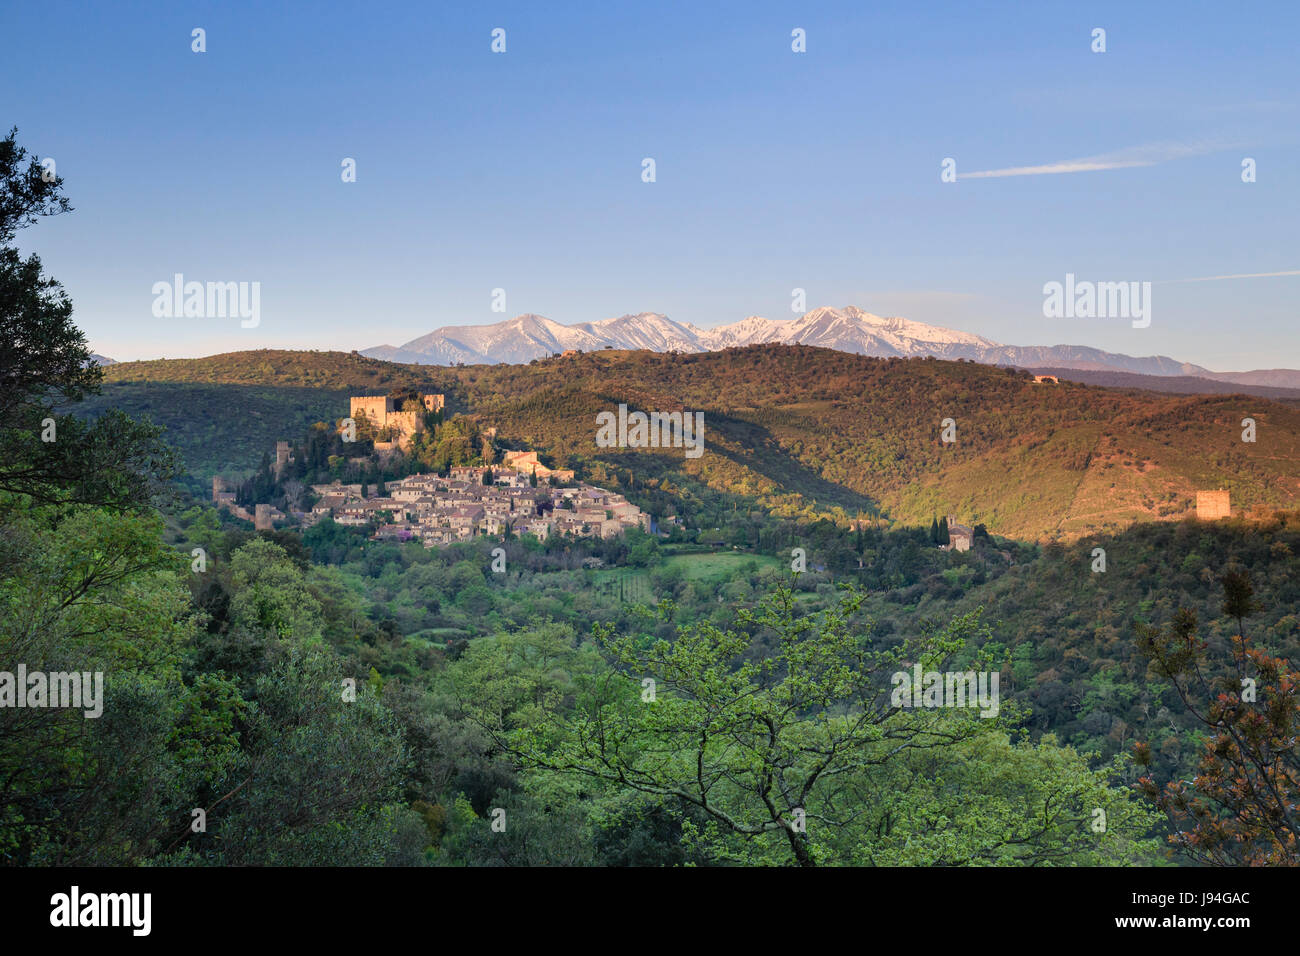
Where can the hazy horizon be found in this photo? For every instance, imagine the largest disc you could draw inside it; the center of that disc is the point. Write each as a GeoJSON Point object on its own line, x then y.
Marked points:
{"type": "Point", "coordinates": [399, 344]}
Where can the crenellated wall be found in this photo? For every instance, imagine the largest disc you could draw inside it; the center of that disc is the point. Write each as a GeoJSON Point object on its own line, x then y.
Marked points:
{"type": "Point", "coordinates": [380, 411]}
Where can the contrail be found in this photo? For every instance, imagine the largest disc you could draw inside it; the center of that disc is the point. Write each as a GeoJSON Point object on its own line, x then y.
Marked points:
{"type": "Point", "coordinates": [1051, 169]}
{"type": "Point", "coordinates": [1120, 159]}
{"type": "Point", "coordinates": [1240, 275]}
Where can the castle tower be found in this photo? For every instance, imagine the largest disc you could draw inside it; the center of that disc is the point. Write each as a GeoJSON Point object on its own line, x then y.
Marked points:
{"type": "Point", "coordinates": [373, 407]}
{"type": "Point", "coordinates": [382, 413]}
{"type": "Point", "coordinates": [1213, 505]}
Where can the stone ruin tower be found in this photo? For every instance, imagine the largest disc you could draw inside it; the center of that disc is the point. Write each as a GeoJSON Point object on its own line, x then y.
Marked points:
{"type": "Point", "coordinates": [1213, 505]}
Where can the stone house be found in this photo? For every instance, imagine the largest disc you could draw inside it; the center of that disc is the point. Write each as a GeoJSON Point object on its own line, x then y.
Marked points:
{"type": "Point", "coordinates": [960, 536]}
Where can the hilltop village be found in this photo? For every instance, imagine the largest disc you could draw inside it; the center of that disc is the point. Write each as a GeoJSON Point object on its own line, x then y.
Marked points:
{"type": "Point", "coordinates": [520, 496]}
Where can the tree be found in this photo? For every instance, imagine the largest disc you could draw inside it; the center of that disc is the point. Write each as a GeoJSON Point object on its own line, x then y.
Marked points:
{"type": "Point", "coordinates": [989, 801]}
{"type": "Point", "coordinates": [1241, 806]}
{"type": "Point", "coordinates": [316, 781]}
{"type": "Point", "coordinates": [270, 593]}
{"type": "Point", "coordinates": [760, 746]}
{"type": "Point", "coordinates": [28, 192]}
{"type": "Point", "coordinates": [45, 453]}
{"type": "Point", "coordinates": [98, 592]}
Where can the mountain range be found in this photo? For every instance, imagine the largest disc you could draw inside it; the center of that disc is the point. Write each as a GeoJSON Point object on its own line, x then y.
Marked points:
{"type": "Point", "coordinates": [848, 329]}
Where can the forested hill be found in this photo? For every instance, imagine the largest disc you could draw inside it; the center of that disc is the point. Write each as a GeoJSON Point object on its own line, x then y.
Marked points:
{"type": "Point", "coordinates": [328, 370]}
{"type": "Point", "coordinates": [797, 428]}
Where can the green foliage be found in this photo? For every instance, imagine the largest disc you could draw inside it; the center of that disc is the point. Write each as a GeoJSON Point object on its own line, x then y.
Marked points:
{"type": "Point", "coordinates": [90, 591]}
{"type": "Point", "coordinates": [795, 756]}
{"type": "Point", "coordinates": [219, 429]}
{"type": "Point", "coordinates": [457, 441]}
{"type": "Point", "coordinates": [46, 455]}
{"type": "Point", "coordinates": [991, 802]}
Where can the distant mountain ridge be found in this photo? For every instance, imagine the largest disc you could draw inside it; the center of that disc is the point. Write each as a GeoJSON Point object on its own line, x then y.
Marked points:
{"type": "Point", "coordinates": [848, 329]}
{"type": "Point", "coordinates": [1171, 384]}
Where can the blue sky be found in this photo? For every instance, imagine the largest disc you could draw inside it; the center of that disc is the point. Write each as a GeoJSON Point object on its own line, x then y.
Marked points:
{"type": "Point", "coordinates": [775, 170]}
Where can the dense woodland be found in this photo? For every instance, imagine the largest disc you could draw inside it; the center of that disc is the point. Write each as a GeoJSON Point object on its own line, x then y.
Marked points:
{"type": "Point", "coordinates": [320, 698]}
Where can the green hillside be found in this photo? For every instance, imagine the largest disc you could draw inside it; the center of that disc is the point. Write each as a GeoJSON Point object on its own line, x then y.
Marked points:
{"type": "Point", "coordinates": [222, 428]}
{"type": "Point", "coordinates": [331, 370]}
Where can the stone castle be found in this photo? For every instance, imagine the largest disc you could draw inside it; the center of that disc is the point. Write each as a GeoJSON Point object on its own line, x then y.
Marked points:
{"type": "Point", "coordinates": [382, 413]}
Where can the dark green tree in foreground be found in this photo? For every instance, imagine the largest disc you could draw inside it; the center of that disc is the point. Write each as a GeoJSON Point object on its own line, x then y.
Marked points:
{"type": "Point", "coordinates": [45, 453]}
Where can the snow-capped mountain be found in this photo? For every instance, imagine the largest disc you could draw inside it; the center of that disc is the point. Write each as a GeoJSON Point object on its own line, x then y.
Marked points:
{"type": "Point", "coordinates": [753, 330]}
{"type": "Point", "coordinates": [529, 336]}
{"type": "Point", "coordinates": [520, 339]}
{"type": "Point", "coordinates": [646, 330]}
{"type": "Point", "coordinates": [848, 329]}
